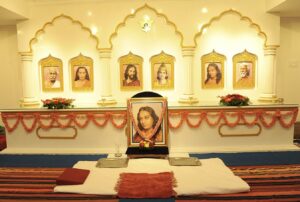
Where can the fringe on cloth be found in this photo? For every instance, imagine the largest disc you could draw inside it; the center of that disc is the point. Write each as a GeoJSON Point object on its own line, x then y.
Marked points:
{"type": "Point", "coordinates": [145, 185]}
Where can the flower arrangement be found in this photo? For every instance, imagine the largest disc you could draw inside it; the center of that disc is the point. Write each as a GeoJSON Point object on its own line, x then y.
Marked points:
{"type": "Point", "coordinates": [58, 103]}
{"type": "Point", "coordinates": [234, 100]}
{"type": "Point", "coordinates": [146, 144]}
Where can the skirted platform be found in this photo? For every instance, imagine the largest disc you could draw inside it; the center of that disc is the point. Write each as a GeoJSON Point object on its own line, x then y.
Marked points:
{"type": "Point", "coordinates": [2, 142]}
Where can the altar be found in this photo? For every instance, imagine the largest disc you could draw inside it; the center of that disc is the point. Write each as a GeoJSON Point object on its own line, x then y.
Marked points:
{"type": "Point", "coordinates": [191, 129]}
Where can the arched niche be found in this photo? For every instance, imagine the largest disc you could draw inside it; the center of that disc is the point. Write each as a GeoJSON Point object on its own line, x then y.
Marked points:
{"type": "Point", "coordinates": [130, 37]}
{"type": "Point", "coordinates": [65, 38]}
{"type": "Point", "coordinates": [228, 33]}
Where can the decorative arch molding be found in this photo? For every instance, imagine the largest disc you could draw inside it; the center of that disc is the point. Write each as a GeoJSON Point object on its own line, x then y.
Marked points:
{"type": "Point", "coordinates": [123, 24]}
{"type": "Point", "coordinates": [62, 16]}
{"type": "Point", "coordinates": [242, 18]}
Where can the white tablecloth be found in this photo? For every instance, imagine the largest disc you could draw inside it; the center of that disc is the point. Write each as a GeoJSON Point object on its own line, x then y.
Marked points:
{"type": "Point", "coordinates": [212, 177]}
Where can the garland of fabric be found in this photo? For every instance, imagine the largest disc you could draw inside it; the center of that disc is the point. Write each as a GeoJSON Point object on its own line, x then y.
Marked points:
{"type": "Point", "coordinates": [30, 121]}
{"type": "Point", "coordinates": [266, 117]}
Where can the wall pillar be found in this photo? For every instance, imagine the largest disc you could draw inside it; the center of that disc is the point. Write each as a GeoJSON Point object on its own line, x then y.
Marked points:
{"type": "Point", "coordinates": [106, 95]}
{"type": "Point", "coordinates": [268, 76]}
{"type": "Point", "coordinates": [29, 98]}
{"type": "Point", "coordinates": [188, 95]}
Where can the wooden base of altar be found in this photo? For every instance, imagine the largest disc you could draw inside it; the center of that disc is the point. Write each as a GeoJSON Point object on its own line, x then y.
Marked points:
{"type": "Point", "coordinates": [156, 152]}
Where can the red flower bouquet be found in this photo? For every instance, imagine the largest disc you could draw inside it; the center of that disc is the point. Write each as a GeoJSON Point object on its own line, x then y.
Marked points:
{"type": "Point", "coordinates": [234, 100]}
{"type": "Point", "coordinates": [58, 103]}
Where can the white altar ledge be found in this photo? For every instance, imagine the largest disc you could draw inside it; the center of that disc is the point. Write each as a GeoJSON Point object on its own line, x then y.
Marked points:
{"type": "Point", "coordinates": [191, 129]}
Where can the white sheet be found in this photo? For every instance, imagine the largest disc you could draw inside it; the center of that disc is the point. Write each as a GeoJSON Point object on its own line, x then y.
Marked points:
{"type": "Point", "coordinates": [212, 177]}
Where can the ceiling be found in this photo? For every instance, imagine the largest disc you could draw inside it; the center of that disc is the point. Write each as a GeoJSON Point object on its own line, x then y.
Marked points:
{"type": "Point", "coordinates": [283, 8]}
{"type": "Point", "coordinates": [287, 8]}
{"type": "Point", "coordinates": [8, 17]}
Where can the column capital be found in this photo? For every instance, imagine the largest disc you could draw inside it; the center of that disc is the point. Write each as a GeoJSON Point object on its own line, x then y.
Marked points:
{"type": "Point", "coordinates": [26, 56]}
{"type": "Point", "coordinates": [105, 53]}
{"type": "Point", "coordinates": [188, 51]}
{"type": "Point", "coordinates": [270, 49]}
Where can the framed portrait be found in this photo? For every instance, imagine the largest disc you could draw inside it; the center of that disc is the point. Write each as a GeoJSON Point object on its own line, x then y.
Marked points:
{"type": "Point", "coordinates": [51, 74]}
{"type": "Point", "coordinates": [212, 66]}
{"type": "Point", "coordinates": [131, 72]}
{"type": "Point", "coordinates": [82, 73]}
{"type": "Point", "coordinates": [147, 120]}
{"type": "Point", "coordinates": [162, 69]}
{"type": "Point", "coordinates": [244, 68]}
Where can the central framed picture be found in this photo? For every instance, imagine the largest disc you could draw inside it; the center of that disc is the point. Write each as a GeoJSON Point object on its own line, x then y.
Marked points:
{"type": "Point", "coordinates": [147, 121]}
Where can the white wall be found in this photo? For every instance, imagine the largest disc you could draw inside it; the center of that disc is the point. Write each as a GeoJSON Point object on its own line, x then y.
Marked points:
{"type": "Point", "coordinates": [10, 77]}
{"type": "Point", "coordinates": [128, 37]}
{"type": "Point", "coordinates": [70, 44]}
{"type": "Point", "coordinates": [106, 17]}
{"type": "Point", "coordinates": [288, 62]}
{"type": "Point", "coordinates": [237, 37]}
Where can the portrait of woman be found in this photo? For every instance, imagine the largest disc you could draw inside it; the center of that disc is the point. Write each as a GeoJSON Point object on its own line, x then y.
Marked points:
{"type": "Point", "coordinates": [212, 70]}
{"type": "Point", "coordinates": [162, 76]}
{"type": "Point", "coordinates": [82, 74]}
{"type": "Point", "coordinates": [213, 74]}
{"type": "Point", "coordinates": [147, 120]}
{"type": "Point", "coordinates": [82, 77]}
{"type": "Point", "coordinates": [162, 71]}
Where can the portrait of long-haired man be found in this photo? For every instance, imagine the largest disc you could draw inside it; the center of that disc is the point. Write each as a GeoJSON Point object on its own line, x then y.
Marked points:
{"type": "Point", "coordinates": [131, 76]}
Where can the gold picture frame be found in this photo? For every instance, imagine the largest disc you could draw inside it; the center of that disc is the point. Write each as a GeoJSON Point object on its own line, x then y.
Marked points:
{"type": "Point", "coordinates": [131, 72]}
{"type": "Point", "coordinates": [52, 74]}
{"type": "Point", "coordinates": [147, 120]}
{"type": "Point", "coordinates": [162, 71]}
{"type": "Point", "coordinates": [82, 73]}
{"type": "Point", "coordinates": [244, 70]}
{"type": "Point", "coordinates": [212, 70]}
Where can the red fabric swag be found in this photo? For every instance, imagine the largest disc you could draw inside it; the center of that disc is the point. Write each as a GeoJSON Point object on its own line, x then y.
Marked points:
{"type": "Point", "coordinates": [144, 185]}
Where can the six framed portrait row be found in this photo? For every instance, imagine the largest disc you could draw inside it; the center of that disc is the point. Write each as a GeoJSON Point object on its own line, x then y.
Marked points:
{"type": "Point", "coordinates": [162, 71]}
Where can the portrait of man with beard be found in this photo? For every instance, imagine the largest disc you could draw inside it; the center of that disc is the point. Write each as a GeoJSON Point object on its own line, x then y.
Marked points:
{"type": "Point", "coordinates": [130, 76]}
{"type": "Point", "coordinates": [244, 76]}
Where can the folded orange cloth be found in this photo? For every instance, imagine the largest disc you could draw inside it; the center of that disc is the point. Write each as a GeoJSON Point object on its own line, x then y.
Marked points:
{"type": "Point", "coordinates": [144, 185]}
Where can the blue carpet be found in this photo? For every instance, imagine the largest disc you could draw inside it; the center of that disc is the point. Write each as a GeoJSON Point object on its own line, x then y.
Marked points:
{"type": "Point", "coordinates": [148, 200]}
{"type": "Point", "coordinates": [48, 161]}
{"type": "Point", "coordinates": [254, 158]}
{"type": "Point", "coordinates": [230, 159]}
